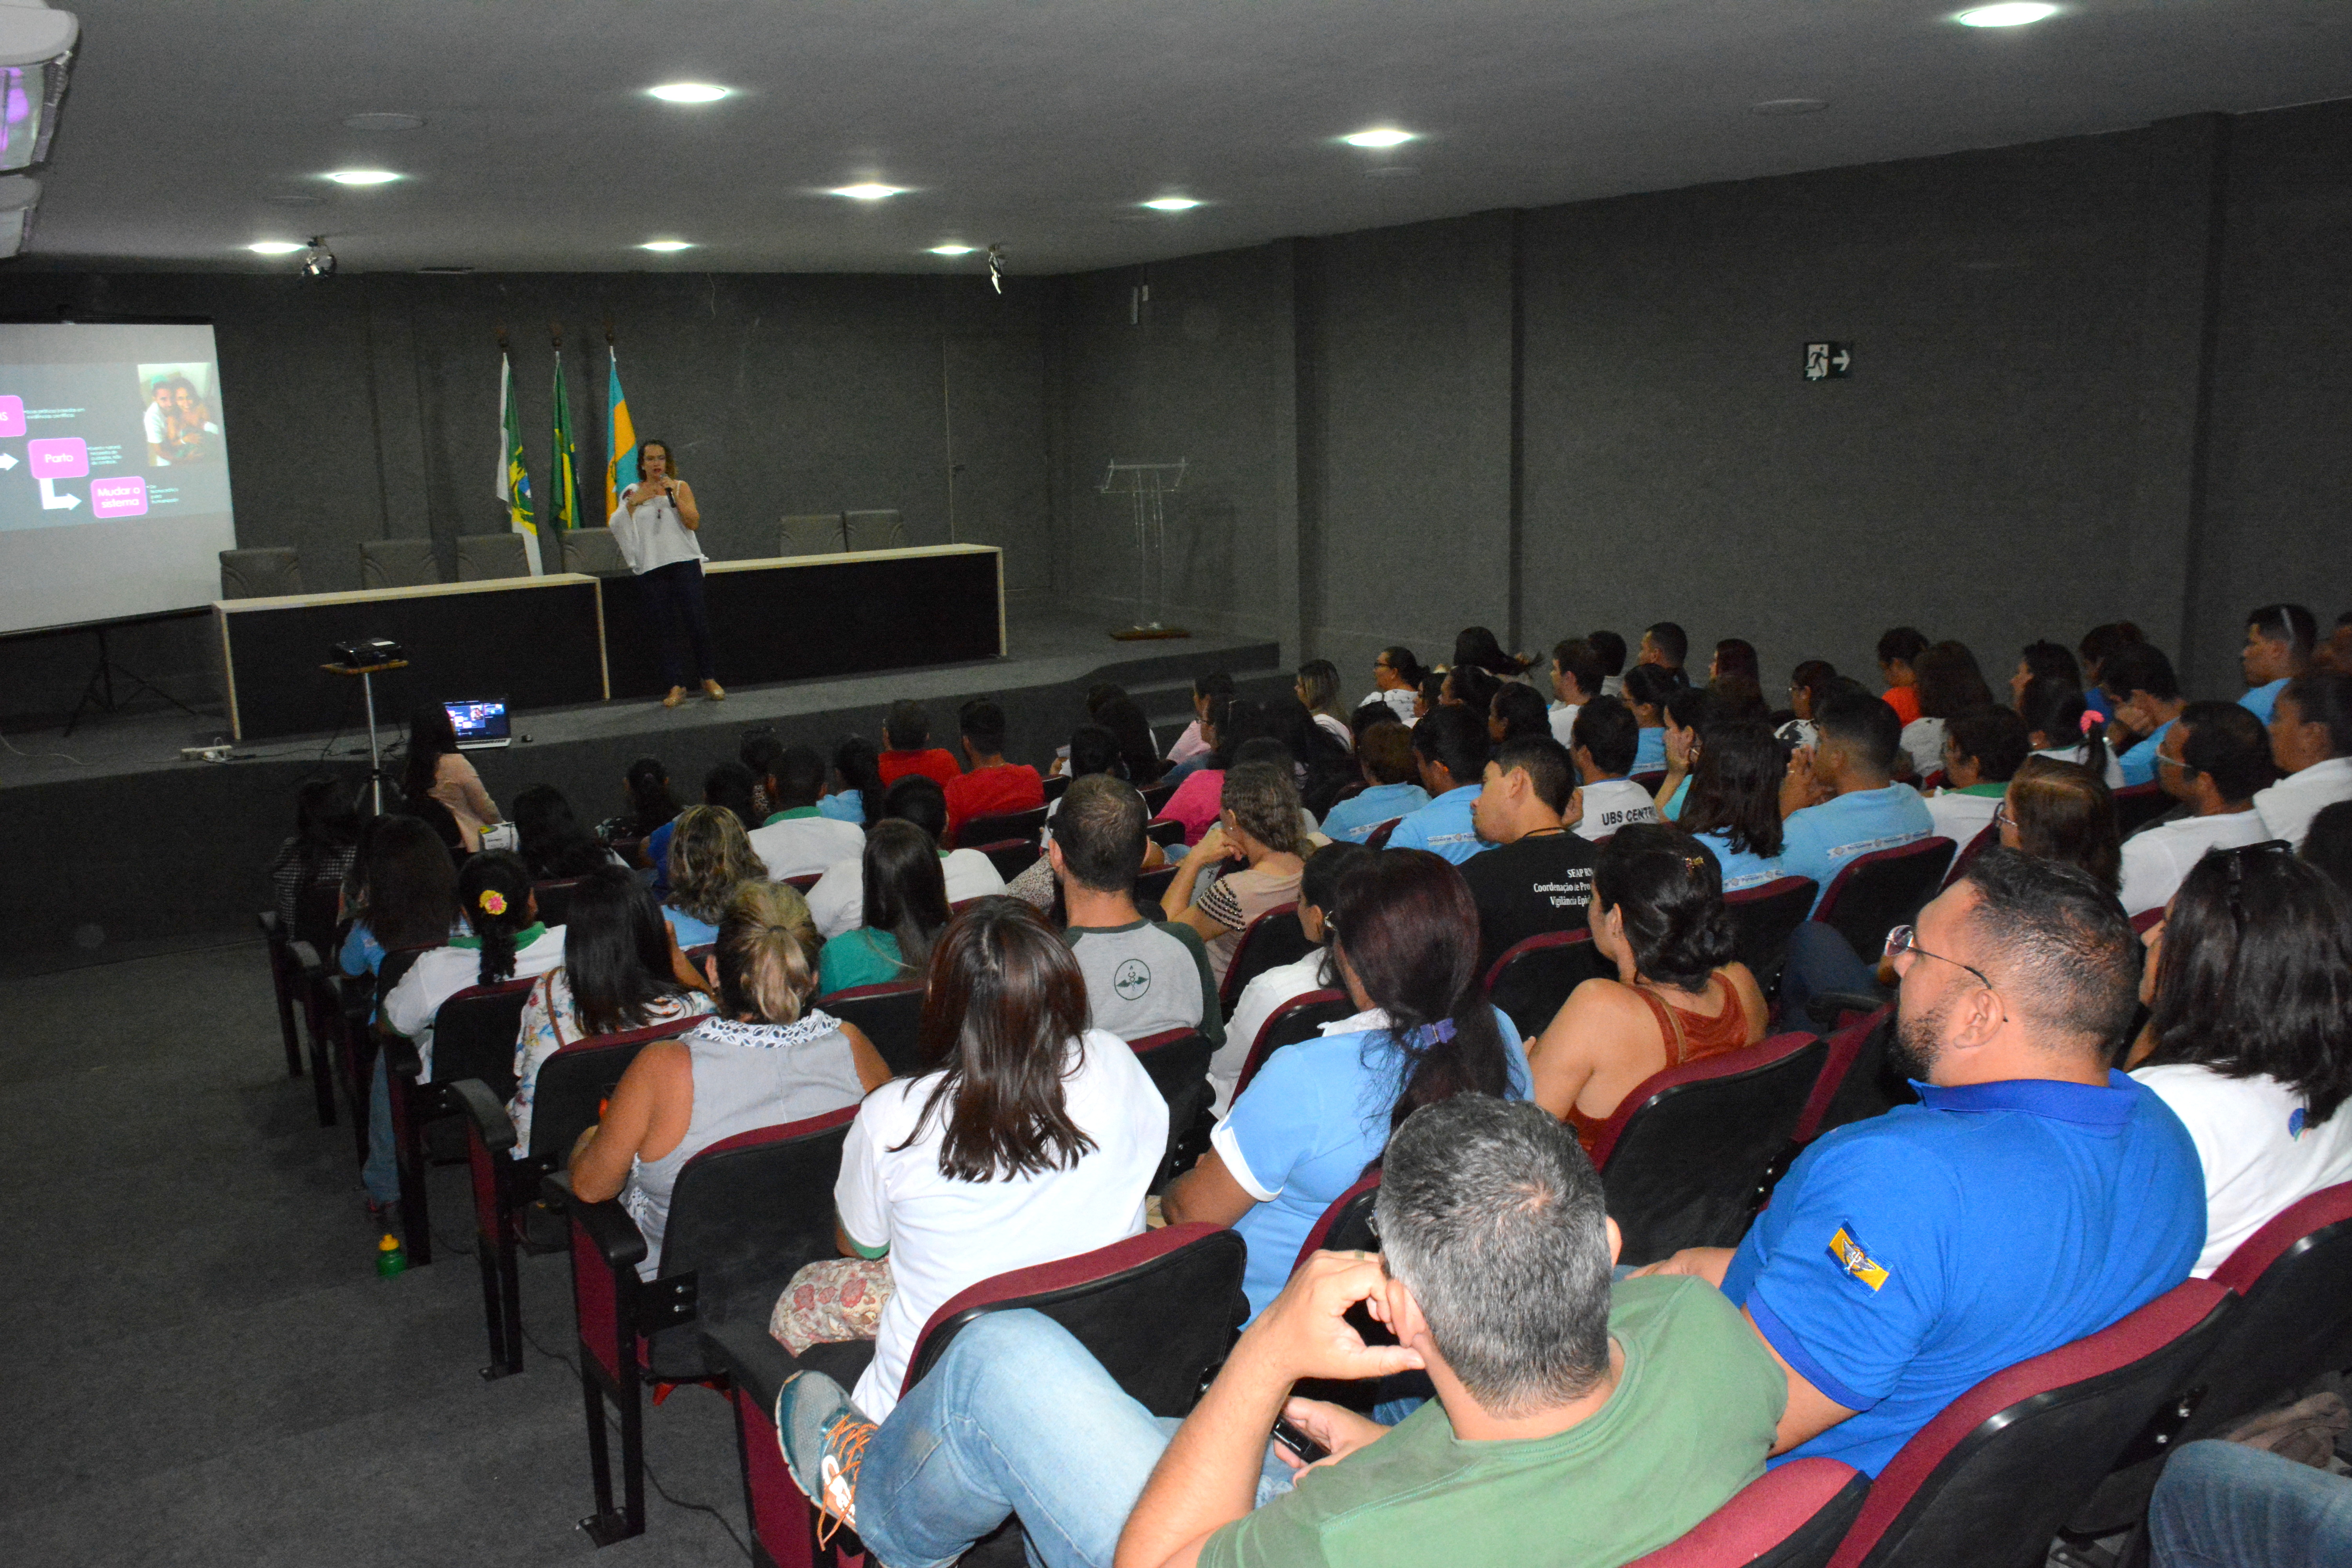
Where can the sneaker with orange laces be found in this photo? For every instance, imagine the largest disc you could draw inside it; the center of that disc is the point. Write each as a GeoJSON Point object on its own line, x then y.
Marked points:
{"type": "Point", "coordinates": [824, 1440]}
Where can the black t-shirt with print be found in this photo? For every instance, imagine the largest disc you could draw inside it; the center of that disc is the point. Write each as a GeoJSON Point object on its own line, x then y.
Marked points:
{"type": "Point", "coordinates": [1540, 883]}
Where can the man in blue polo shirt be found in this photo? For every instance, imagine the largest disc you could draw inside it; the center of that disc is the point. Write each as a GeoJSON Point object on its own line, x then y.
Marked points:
{"type": "Point", "coordinates": [1452, 746]}
{"type": "Point", "coordinates": [1852, 760]}
{"type": "Point", "coordinates": [2279, 643]}
{"type": "Point", "coordinates": [2145, 695]}
{"type": "Point", "coordinates": [2033, 1196]}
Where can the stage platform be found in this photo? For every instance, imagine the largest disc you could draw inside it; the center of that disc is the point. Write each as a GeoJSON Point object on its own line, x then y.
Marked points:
{"type": "Point", "coordinates": [117, 846]}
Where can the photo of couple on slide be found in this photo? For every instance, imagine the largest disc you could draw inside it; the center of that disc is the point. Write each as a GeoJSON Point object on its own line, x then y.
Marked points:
{"type": "Point", "coordinates": [180, 425]}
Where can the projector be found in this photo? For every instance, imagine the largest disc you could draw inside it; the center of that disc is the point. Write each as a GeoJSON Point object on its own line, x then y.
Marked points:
{"type": "Point", "coordinates": [368, 650]}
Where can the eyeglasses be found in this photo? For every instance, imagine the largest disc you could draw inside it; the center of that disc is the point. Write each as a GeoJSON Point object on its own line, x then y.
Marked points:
{"type": "Point", "coordinates": [2000, 819]}
{"type": "Point", "coordinates": [1905, 939]}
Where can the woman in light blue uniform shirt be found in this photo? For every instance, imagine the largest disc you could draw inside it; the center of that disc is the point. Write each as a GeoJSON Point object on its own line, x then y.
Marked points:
{"type": "Point", "coordinates": [1734, 802]}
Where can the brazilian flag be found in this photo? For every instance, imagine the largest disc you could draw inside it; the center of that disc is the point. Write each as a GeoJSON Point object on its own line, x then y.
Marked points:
{"type": "Point", "coordinates": [563, 502]}
{"type": "Point", "coordinates": [513, 479]}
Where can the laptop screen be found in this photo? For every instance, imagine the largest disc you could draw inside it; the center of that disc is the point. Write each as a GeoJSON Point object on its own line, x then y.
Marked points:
{"type": "Point", "coordinates": [478, 721]}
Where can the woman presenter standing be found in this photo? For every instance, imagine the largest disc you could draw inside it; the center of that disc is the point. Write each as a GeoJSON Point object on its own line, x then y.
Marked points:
{"type": "Point", "coordinates": [657, 526]}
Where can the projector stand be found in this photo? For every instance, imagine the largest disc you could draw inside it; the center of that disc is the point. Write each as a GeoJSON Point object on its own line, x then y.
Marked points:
{"type": "Point", "coordinates": [367, 674]}
{"type": "Point", "coordinates": [100, 688]}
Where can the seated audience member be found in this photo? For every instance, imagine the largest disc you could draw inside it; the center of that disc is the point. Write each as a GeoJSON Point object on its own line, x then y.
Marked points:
{"type": "Point", "coordinates": [1606, 800]}
{"type": "Point", "coordinates": [2334, 656]}
{"type": "Point", "coordinates": [1680, 996]}
{"type": "Point", "coordinates": [2060, 724]}
{"type": "Point", "coordinates": [1667, 647]}
{"type": "Point", "coordinates": [1230, 726]}
{"type": "Point", "coordinates": [709, 857]}
{"type": "Point", "coordinates": [1430, 698]}
{"type": "Point", "coordinates": [647, 803]}
{"type": "Point", "coordinates": [553, 845]}
{"type": "Point", "coordinates": [1451, 749]}
{"type": "Point", "coordinates": [1733, 804]}
{"type": "Point", "coordinates": [1258, 823]}
{"type": "Point", "coordinates": [622, 970]}
{"type": "Point", "coordinates": [1808, 684]}
{"type": "Point", "coordinates": [798, 839]}
{"type": "Point", "coordinates": [2214, 762]}
{"type": "Point", "coordinates": [1206, 690]}
{"type": "Point", "coordinates": [1611, 650]}
{"type": "Point", "coordinates": [1094, 749]}
{"type": "Point", "coordinates": [1947, 684]}
{"type": "Point", "coordinates": [1647, 687]}
{"type": "Point", "coordinates": [766, 1059]}
{"type": "Point", "coordinates": [1318, 887]}
{"type": "Point", "coordinates": [905, 909]}
{"type": "Point", "coordinates": [2057, 811]}
{"type": "Point", "coordinates": [1391, 785]}
{"type": "Point", "coordinates": [1538, 875]}
{"type": "Point", "coordinates": [1317, 688]}
{"type": "Point", "coordinates": [1840, 797]}
{"type": "Point", "coordinates": [989, 787]}
{"type": "Point", "coordinates": [1982, 752]}
{"type": "Point", "coordinates": [2280, 640]}
{"type": "Point", "coordinates": [504, 941]}
{"type": "Point", "coordinates": [1574, 1423]}
{"type": "Point", "coordinates": [1470, 686]}
{"type": "Point", "coordinates": [320, 850]}
{"type": "Point", "coordinates": [728, 787]}
{"type": "Point", "coordinates": [1739, 696]}
{"type": "Point", "coordinates": [2249, 1038]}
{"type": "Point", "coordinates": [907, 749]}
{"type": "Point", "coordinates": [1734, 656]}
{"type": "Point", "coordinates": [1479, 648]}
{"type": "Point", "coordinates": [1687, 711]}
{"type": "Point", "coordinates": [1575, 681]}
{"type": "Point", "coordinates": [1397, 676]}
{"type": "Point", "coordinates": [1029, 1137]}
{"type": "Point", "coordinates": [839, 899]}
{"type": "Point", "coordinates": [1406, 942]}
{"type": "Point", "coordinates": [2044, 661]}
{"type": "Point", "coordinates": [2098, 645]}
{"type": "Point", "coordinates": [1898, 651]}
{"type": "Point", "coordinates": [2221, 1502]}
{"type": "Point", "coordinates": [405, 898]}
{"type": "Point", "coordinates": [1321, 766]}
{"type": "Point", "coordinates": [2328, 845]}
{"type": "Point", "coordinates": [758, 752]}
{"type": "Point", "coordinates": [2145, 700]}
{"type": "Point", "coordinates": [1518, 711]}
{"type": "Point", "coordinates": [1141, 977]}
{"type": "Point", "coordinates": [2311, 741]}
{"type": "Point", "coordinates": [437, 770]}
{"type": "Point", "coordinates": [1139, 748]}
{"type": "Point", "coordinates": [2031, 1198]}
{"type": "Point", "coordinates": [855, 783]}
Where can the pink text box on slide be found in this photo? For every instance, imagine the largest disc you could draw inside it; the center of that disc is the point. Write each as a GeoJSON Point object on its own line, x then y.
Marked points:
{"type": "Point", "coordinates": [12, 417]}
{"type": "Point", "coordinates": [118, 497]}
{"type": "Point", "coordinates": [58, 456]}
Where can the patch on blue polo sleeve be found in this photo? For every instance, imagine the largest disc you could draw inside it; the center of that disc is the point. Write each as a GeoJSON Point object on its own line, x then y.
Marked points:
{"type": "Point", "coordinates": [1854, 1260]}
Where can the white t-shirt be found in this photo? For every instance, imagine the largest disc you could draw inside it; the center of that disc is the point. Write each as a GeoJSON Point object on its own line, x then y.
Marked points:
{"type": "Point", "coordinates": [2080, 756]}
{"type": "Point", "coordinates": [838, 902]}
{"type": "Point", "coordinates": [2288, 806]}
{"type": "Point", "coordinates": [1337, 728]}
{"type": "Point", "coordinates": [650, 534]}
{"type": "Point", "coordinates": [1960, 818]}
{"type": "Point", "coordinates": [1610, 803]}
{"type": "Point", "coordinates": [799, 845]}
{"type": "Point", "coordinates": [2159, 858]}
{"type": "Point", "coordinates": [2258, 1154]}
{"type": "Point", "coordinates": [1563, 721]}
{"type": "Point", "coordinates": [946, 1236]}
{"type": "Point", "coordinates": [1258, 1001]}
{"type": "Point", "coordinates": [439, 974]}
{"type": "Point", "coordinates": [1923, 741]}
{"type": "Point", "coordinates": [1400, 703]}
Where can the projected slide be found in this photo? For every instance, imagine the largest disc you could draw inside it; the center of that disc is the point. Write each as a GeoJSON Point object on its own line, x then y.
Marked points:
{"type": "Point", "coordinates": [114, 489]}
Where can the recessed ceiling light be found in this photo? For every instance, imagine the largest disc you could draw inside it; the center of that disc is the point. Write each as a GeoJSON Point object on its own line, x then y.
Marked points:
{"type": "Point", "coordinates": [276, 246]}
{"type": "Point", "coordinates": [1777, 106]}
{"type": "Point", "coordinates": [1380, 138]}
{"type": "Point", "coordinates": [383, 122]}
{"type": "Point", "coordinates": [1172, 203]}
{"type": "Point", "coordinates": [364, 176]}
{"type": "Point", "coordinates": [868, 192]}
{"type": "Point", "coordinates": [667, 246]}
{"type": "Point", "coordinates": [2015, 15]}
{"type": "Point", "coordinates": [952, 249]}
{"type": "Point", "coordinates": [688, 92]}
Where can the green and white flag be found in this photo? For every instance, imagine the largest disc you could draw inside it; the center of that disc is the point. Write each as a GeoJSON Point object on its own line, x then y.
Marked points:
{"type": "Point", "coordinates": [514, 480]}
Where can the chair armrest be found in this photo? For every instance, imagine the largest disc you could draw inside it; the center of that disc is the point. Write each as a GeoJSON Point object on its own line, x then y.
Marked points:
{"type": "Point", "coordinates": [307, 961]}
{"type": "Point", "coordinates": [400, 1054]}
{"type": "Point", "coordinates": [268, 919]}
{"type": "Point", "coordinates": [607, 1225]}
{"type": "Point", "coordinates": [1828, 1006]}
{"type": "Point", "coordinates": [490, 1122]}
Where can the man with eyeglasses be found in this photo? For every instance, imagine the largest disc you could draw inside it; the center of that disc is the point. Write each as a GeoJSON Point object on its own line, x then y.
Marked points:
{"type": "Point", "coordinates": [2033, 1196]}
{"type": "Point", "coordinates": [2212, 760]}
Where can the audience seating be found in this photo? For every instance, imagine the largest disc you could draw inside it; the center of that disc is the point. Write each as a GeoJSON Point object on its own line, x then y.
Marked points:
{"type": "Point", "coordinates": [804, 881]}
{"type": "Point", "coordinates": [880, 530]}
{"type": "Point", "coordinates": [1156, 797]}
{"type": "Point", "coordinates": [811, 533]}
{"type": "Point", "coordinates": [260, 574]}
{"type": "Point", "coordinates": [1010, 857]}
{"type": "Point", "coordinates": [1152, 886]}
{"type": "Point", "coordinates": [1378, 838]}
{"type": "Point", "coordinates": [314, 925]}
{"type": "Point", "coordinates": [1882, 891]}
{"type": "Point", "coordinates": [555, 899]}
{"type": "Point", "coordinates": [1647, 782]}
{"type": "Point", "coordinates": [1531, 981]}
{"type": "Point", "coordinates": [474, 1036]}
{"type": "Point", "coordinates": [1166, 834]}
{"type": "Point", "coordinates": [886, 1015]}
{"type": "Point", "coordinates": [1273, 939]}
{"type": "Point", "coordinates": [747, 1213]}
{"type": "Point", "coordinates": [979, 830]}
{"type": "Point", "coordinates": [2136, 806]}
{"type": "Point", "coordinates": [398, 563]}
{"type": "Point", "coordinates": [323, 1023]}
{"type": "Point", "coordinates": [592, 551]}
{"type": "Point", "coordinates": [1984, 840]}
{"type": "Point", "coordinates": [1055, 786]}
{"type": "Point", "coordinates": [1764, 917]}
{"type": "Point", "coordinates": [1178, 1061]}
{"type": "Point", "coordinates": [1791, 1517]}
{"type": "Point", "coordinates": [1830, 1104]}
{"type": "Point", "coordinates": [1682, 1156]}
{"type": "Point", "coordinates": [1347, 1223]}
{"type": "Point", "coordinates": [2147, 921]}
{"type": "Point", "coordinates": [483, 557]}
{"type": "Point", "coordinates": [1990, 1480]}
{"type": "Point", "coordinates": [1300, 1019]}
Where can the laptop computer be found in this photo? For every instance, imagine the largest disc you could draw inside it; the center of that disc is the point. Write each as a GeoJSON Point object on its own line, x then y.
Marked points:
{"type": "Point", "coordinates": [481, 722]}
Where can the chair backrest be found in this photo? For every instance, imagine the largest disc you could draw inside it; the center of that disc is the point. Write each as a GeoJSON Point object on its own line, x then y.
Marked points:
{"type": "Point", "coordinates": [484, 556]}
{"type": "Point", "coordinates": [1868, 1083]}
{"type": "Point", "coordinates": [2136, 806]}
{"type": "Point", "coordinates": [555, 899]}
{"type": "Point", "coordinates": [397, 564]}
{"type": "Point", "coordinates": [1790, 1517]}
{"type": "Point", "coordinates": [1680, 1158]}
{"type": "Point", "coordinates": [883, 529]}
{"type": "Point", "coordinates": [1647, 782]}
{"type": "Point", "coordinates": [1763, 918]}
{"type": "Point", "coordinates": [260, 574]}
{"type": "Point", "coordinates": [474, 1035]}
{"type": "Point", "coordinates": [886, 1015]}
{"type": "Point", "coordinates": [1346, 1224]}
{"type": "Point", "coordinates": [2147, 921]}
{"type": "Point", "coordinates": [1166, 832]}
{"type": "Point", "coordinates": [1880, 891]}
{"type": "Point", "coordinates": [811, 533]}
{"type": "Point", "coordinates": [593, 551]}
{"type": "Point", "coordinates": [1845, 1048]}
{"type": "Point", "coordinates": [314, 915]}
{"type": "Point", "coordinates": [1056, 786]}
{"type": "Point", "coordinates": [1010, 857]}
{"type": "Point", "coordinates": [1300, 1019]}
{"type": "Point", "coordinates": [1156, 797]}
{"type": "Point", "coordinates": [1273, 939]}
{"type": "Point", "coordinates": [1987, 836]}
{"type": "Point", "coordinates": [1990, 1480]}
{"type": "Point", "coordinates": [1530, 981]}
{"type": "Point", "coordinates": [755, 1209]}
{"type": "Point", "coordinates": [1378, 838]}
{"type": "Point", "coordinates": [1157, 1311]}
{"type": "Point", "coordinates": [1178, 1061]}
{"type": "Point", "coordinates": [978, 830]}
{"type": "Point", "coordinates": [568, 1096]}
{"type": "Point", "coordinates": [1152, 886]}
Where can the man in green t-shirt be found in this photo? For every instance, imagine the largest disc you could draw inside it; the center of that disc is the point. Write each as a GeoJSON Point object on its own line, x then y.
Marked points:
{"type": "Point", "coordinates": [1568, 1430]}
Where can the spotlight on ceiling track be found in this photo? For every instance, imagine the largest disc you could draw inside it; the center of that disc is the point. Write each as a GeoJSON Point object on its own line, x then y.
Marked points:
{"type": "Point", "coordinates": [318, 261]}
{"type": "Point", "coordinates": [2019, 14]}
{"type": "Point", "coordinates": [688, 92]}
{"type": "Point", "coordinates": [36, 45]}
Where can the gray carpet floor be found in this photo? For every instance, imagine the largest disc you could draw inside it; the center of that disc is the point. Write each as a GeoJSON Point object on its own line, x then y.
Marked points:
{"type": "Point", "coordinates": [205, 1368]}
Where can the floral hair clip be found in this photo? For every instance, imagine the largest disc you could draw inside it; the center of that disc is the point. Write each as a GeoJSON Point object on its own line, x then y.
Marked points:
{"type": "Point", "coordinates": [2090, 720]}
{"type": "Point", "coordinates": [493, 902]}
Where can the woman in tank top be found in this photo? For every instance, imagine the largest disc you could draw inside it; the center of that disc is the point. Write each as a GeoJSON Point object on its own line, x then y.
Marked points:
{"type": "Point", "coordinates": [1679, 996]}
{"type": "Point", "coordinates": [765, 1060]}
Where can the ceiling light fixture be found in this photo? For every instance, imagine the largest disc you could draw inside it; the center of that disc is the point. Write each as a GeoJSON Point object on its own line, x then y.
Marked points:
{"type": "Point", "coordinates": [364, 176]}
{"type": "Point", "coordinates": [667, 246]}
{"type": "Point", "coordinates": [953, 250]}
{"type": "Point", "coordinates": [36, 49]}
{"type": "Point", "coordinates": [1172, 203]}
{"type": "Point", "coordinates": [688, 92]}
{"type": "Point", "coordinates": [1379, 139]}
{"type": "Point", "coordinates": [2017, 14]}
{"type": "Point", "coordinates": [276, 246]}
{"type": "Point", "coordinates": [868, 192]}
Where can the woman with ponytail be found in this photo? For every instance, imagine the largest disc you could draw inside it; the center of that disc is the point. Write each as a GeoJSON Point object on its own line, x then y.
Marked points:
{"type": "Point", "coordinates": [504, 941]}
{"type": "Point", "coordinates": [2064, 727]}
{"type": "Point", "coordinates": [1404, 940]}
{"type": "Point", "coordinates": [1680, 996]}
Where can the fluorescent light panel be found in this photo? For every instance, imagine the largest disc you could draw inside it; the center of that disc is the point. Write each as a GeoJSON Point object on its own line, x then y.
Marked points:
{"type": "Point", "coordinates": [688, 92]}
{"type": "Point", "coordinates": [2018, 14]}
{"type": "Point", "coordinates": [364, 176]}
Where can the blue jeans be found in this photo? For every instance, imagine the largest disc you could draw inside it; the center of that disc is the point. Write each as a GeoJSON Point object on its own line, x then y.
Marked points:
{"type": "Point", "coordinates": [1015, 1418]}
{"type": "Point", "coordinates": [2224, 1505]}
{"type": "Point", "coordinates": [381, 1174]}
{"type": "Point", "coordinates": [1820, 960]}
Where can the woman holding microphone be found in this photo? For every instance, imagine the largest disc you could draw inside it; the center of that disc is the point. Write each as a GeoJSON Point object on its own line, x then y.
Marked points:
{"type": "Point", "coordinates": [656, 525]}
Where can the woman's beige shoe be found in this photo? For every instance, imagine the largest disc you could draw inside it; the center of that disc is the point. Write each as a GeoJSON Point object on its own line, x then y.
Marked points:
{"type": "Point", "coordinates": [677, 695]}
{"type": "Point", "coordinates": [716, 692]}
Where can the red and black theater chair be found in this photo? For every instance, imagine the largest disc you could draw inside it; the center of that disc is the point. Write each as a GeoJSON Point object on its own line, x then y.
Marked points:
{"type": "Point", "coordinates": [1990, 1480]}
{"type": "Point", "coordinates": [1159, 1311]}
{"type": "Point", "coordinates": [1178, 1061]}
{"type": "Point", "coordinates": [1024, 826]}
{"type": "Point", "coordinates": [1880, 891]}
{"type": "Point", "coordinates": [554, 898]}
{"type": "Point", "coordinates": [1857, 1082]}
{"type": "Point", "coordinates": [1790, 1517]}
{"type": "Point", "coordinates": [314, 924]}
{"type": "Point", "coordinates": [1531, 981]}
{"type": "Point", "coordinates": [1299, 1019]}
{"type": "Point", "coordinates": [1056, 786]}
{"type": "Point", "coordinates": [1378, 838]}
{"type": "Point", "coordinates": [2136, 806]}
{"type": "Point", "coordinates": [1152, 886]}
{"type": "Point", "coordinates": [1983, 841]}
{"type": "Point", "coordinates": [1762, 920]}
{"type": "Point", "coordinates": [747, 1213]}
{"type": "Point", "coordinates": [1164, 832]}
{"type": "Point", "coordinates": [890, 1016]}
{"type": "Point", "coordinates": [474, 1036]}
{"type": "Point", "coordinates": [1010, 857]}
{"type": "Point", "coordinates": [1156, 798]}
{"type": "Point", "coordinates": [1273, 939]}
{"type": "Point", "coordinates": [1347, 1223]}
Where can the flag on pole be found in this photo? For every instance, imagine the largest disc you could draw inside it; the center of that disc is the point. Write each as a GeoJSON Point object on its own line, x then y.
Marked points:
{"type": "Point", "coordinates": [621, 468]}
{"type": "Point", "coordinates": [513, 479]}
{"type": "Point", "coordinates": [563, 502]}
